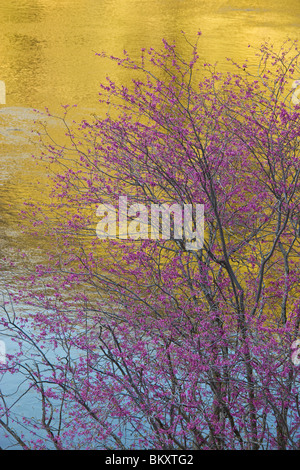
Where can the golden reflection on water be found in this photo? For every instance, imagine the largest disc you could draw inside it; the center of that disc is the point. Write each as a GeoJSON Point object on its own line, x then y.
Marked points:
{"type": "Point", "coordinates": [47, 46]}
{"type": "Point", "coordinates": [47, 58]}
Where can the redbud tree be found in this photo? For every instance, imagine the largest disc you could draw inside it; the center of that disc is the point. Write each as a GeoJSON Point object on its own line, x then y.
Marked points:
{"type": "Point", "coordinates": [141, 342]}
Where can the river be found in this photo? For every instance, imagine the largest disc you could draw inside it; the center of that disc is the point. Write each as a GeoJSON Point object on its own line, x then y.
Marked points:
{"type": "Point", "coordinates": [47, 51]}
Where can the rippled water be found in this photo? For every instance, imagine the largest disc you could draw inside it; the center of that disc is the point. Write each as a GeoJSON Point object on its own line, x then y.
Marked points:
{"type": "Point", "coordinates": [47, 58]}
